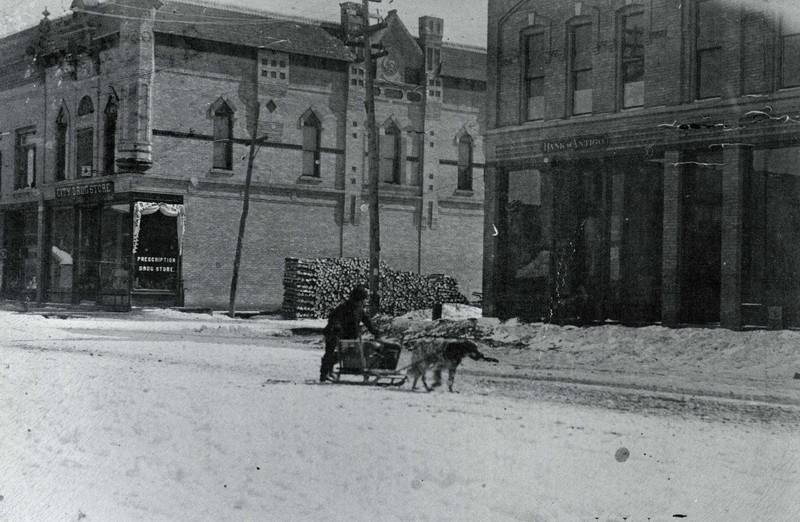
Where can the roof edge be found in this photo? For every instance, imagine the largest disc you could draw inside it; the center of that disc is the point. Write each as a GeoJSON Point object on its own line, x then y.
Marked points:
{"type": "Point", "coordinates": [464, 47]}
{"type": "Point", "coordinates": [251, 10]}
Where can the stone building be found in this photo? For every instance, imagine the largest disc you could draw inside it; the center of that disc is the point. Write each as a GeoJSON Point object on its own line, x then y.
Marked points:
{"type": "Point", "coordinates": [642, 161]}
{"type": "Point", "coordinates": [125, 134]}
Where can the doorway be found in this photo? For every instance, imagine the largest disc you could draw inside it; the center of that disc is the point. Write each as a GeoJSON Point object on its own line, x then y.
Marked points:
{"type": "Point", "coordinates": [701, 252]}
{"type": "Point", "coordinates": [88, 268]}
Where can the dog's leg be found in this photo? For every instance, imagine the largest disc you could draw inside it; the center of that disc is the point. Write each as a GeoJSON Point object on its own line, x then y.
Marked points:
{"type": "Point", "coordinates": [437, 377]}
{"type": "Point", "coordinates": [451, 376]}
{"type": "Point", "coordinates": [413, 371]}
{"type": "Point", "coordinates": [425, 382]}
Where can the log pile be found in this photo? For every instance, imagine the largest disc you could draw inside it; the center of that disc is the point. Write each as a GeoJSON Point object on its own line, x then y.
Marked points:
{"type": "Point", "coordinates": [313, 287]}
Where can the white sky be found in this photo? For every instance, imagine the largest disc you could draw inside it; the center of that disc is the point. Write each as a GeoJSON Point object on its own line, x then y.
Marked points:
{"type": "Point", "coordinates": [464, 20]}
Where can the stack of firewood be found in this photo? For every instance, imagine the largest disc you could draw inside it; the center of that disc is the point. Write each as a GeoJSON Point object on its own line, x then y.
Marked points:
{"type": "Point", "coordinates": [313, 287]}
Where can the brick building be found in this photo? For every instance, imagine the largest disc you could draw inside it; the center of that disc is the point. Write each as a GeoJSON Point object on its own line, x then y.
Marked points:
{"type": "Point", "coordinates": [642, 161]}
{"type": "Point", "coordinates": [125, 134]}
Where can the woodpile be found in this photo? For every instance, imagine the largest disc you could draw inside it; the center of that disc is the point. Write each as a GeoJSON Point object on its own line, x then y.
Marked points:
{"type": "Point", "coordinates": [313, 287]}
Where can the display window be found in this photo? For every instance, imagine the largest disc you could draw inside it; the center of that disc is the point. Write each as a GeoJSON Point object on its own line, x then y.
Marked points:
{"type": "Point", "coordinates": [21, 252]}
{"type": "Point", "coordinates": [62, 252]}
{"type": "Point", "coordinates": [115, 247]}
{"type": "Point", "coordinates": [158, 231]}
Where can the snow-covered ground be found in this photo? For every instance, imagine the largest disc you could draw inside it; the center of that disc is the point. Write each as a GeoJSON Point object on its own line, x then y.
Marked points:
{"type": "Point", "coordinates": [170, 417]}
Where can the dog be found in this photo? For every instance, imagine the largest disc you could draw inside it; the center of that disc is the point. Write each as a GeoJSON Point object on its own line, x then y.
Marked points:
{"type": "Point", "coordinates": [438, 354]}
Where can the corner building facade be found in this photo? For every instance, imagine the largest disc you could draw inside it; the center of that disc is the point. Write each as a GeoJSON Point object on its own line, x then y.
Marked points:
{"type": "Point", "coordinates": [642, 162]}
{"type": "Point", "coordinates": [126, 132]}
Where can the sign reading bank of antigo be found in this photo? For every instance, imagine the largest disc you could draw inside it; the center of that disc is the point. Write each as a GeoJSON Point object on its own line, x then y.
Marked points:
{"type": "Point", "coordinates": [577, 143]}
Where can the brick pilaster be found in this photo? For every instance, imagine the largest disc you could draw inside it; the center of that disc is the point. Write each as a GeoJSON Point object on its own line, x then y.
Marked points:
{"type": "Point", "coordinates": [736, 159]}
{"type": "Point", "coordinates": [673, 225]}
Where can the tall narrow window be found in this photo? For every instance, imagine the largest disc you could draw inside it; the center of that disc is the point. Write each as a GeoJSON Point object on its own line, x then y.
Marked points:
{"type": "Point", "coordinates": [465, 162]}
{"type": "Point", "coordinates": [390, 155]}
{"type": "Point", "coordinates": [110, 137]}
{"type": "Point", "coordinates": [581, 68]}
{"type": "Point", "coordinates": [433, 58]}
{"type": "Point", "coordinates": [709, 66]}
{"type": "Point", "coordinates": [311, 145]}
{"type": "Point", "coordinates": [26, 159]}
{"type": "Point", "coordinates": [534, 76]}
{"type": "Point", "coordinates": [631, 54]}
{"type": "Point", "coordinates": [61, 145]}
{"type": "Point", "coordinates": [413, 161]}
{"type": "Point", "coordinates": [223, 137]}
{"type": "Point", "coordinates": [790, 53]}
{"type": "Point", "coordinates": [84, 138]}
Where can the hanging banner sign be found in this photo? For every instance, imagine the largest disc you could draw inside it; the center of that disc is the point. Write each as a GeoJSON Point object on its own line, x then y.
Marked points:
{"type": "Point", "coordinates": [577, 143]}
{"type": "Point", "coordinates": [89, 189]}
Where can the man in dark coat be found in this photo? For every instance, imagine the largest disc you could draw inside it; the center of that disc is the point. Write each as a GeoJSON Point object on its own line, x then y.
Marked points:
{"type": "Point", "coordinates": [344, 322]}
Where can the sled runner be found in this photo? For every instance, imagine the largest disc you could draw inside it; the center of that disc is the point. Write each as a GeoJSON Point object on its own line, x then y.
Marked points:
{"type": "Point", "coordinates": [375, 362]}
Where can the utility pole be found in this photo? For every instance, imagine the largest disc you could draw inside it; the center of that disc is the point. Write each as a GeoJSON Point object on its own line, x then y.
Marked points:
{"type": "Point", "coordinates": [372, 141]}
{"type": "Point", "coordinates": [245, 209]}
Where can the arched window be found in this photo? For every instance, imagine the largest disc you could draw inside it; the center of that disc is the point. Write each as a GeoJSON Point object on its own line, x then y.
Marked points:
{"type": "Point", "coordinates": [62, 124]}
{"type": "Point", "coordinates": [223, 137]}
{"type": "Point", "coordinates": [110, 136]}
{"type": "Point", "coordinates": [390, 154]}
{"type": "Point", "coordinates": [84, 138]}
{"type": "Point", "coordinates": [311, 145]}
{"type": "Point", "coordinates": [86, 106]}
{"type": "Point", "coordinates": [465, 162]}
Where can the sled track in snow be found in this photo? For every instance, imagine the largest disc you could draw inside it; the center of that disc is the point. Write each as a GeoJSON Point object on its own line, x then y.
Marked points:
{"type": "Point", "coordinates": [636, 397]}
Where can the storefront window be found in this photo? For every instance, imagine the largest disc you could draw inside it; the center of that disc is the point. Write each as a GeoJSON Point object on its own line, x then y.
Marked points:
{"type": "Point", "coordinates": [115, 248]}
{"type": "Point", "coordinates": [21, 263]}
{"type": "Point", "coordinates": [157, 250]}
{"type": "Point", "coordinates": [62, 248]}
{"type": "Point", "coordinates": [527, 252]}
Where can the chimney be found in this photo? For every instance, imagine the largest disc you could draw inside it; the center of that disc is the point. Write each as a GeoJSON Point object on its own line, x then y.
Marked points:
{"type": "Point", "coordinates": [430, 29]}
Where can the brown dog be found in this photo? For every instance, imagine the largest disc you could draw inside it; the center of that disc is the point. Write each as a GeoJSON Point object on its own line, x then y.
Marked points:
{"type": "Point", "coordinates": [438, 354]}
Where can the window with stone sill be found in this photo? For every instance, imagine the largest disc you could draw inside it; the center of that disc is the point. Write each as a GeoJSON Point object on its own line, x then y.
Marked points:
{"type": "Point", "coordinates": [223, 138]}
{"type": "Point", "coordinates": [465, 163]}
{"type": "Point", "coordinates": [631, 59]}
{"type": "Point", "coordinates": [580, 66]}
{"type": "Point", "coordinates": [709, 64]}
{"type": "Point", "coordinates": [790, 53]}
{"type": "Point", "coordinates": [311, 145]}
{"type": "Point", "coordinates": [25, 159]}
{"type": "Point", "coordinates": [390, 155]}
{"type": "Point", "coordinates": [534, 76]}
{"type": "Point", "coordinates": [110, 137]}
{"type": "Point", "coordinates": [62, 125]}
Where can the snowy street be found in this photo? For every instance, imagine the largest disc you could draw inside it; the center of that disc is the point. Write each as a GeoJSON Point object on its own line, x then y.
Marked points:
{"type": "Point", "coordinates": [181, 417]}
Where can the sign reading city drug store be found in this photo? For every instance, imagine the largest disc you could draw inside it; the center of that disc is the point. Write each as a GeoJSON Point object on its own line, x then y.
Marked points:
{"type": "Point", "coordinates": [86, 189]}
{"type": "Point", "coordinates": [577, 143]}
